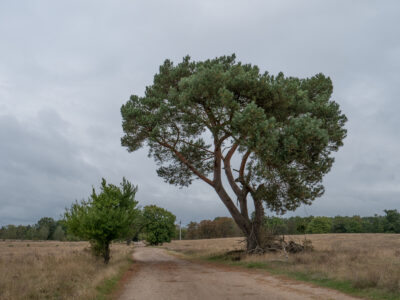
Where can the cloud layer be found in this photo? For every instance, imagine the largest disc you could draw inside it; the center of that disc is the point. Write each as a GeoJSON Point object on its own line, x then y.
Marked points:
{"type": "Point", "coordinates": [66, 67]}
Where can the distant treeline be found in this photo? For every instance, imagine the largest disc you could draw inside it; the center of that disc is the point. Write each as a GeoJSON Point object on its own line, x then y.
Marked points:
{"type": "Point", "coordinates": [44, 229]}
{"type": "Point", "coordinates": [218, 228]}
{"type": "Point", "coordinates": [49, 229]}
{"type": "Point", "coordinates": [388, 223]}
{"type": "Point", "coordinates": [226, 227]}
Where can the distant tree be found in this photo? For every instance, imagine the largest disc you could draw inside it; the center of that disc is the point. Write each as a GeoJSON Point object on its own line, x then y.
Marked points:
{"type": "Point", "coordinates": [10, 232]}
{"type": "Point", "coordinates": [296, 225]}
{"type": "Point", "coordinates": [159, 224]}
{"type": "Point", "coordinates": [275, 225]}
{"type": "Point", "coordinates": [58, 234]}
{"type": "Point", "coordinates": [137, 227]}
{"type": "Point", "coordinates": [43, 233]}
{"type": "Point", "coordinates": [104, 217]}
{"type": "Point", "coordinates": [220, 227]}
{"type": "Point", "coordinates": [207, 229]}
{"type": "Point", "coordinates": [354, 224]}
{"type": "Point", "coordinates": [305, 222]}
{"type": "Point", "coordinates": [392, 221]}
{"type": "Point", "coordinates": [339, 224]}
{"type": "Point", "coordinates": [373, 224]}
{"type": "Point", "coordinates": [48, 223]}
{"type": "Point", "coordinates": [291, 226]}
{"type": "Point", "coordinates": [62, 224]}
{"type": "Point", "coordinates": [197, 116]}
{"type": "Point", "coordinates": [301, 228]}
{"type": "Point", "coordinates": [21, 232]}
{"type": "Point", "coordinates": [192, 231]}
{"type": "Point", "coordinates": [226, 227]}
{"type": "Point", "coordinates": [30, 232]}
{"type": "Point", "coordinates": [319, 225]}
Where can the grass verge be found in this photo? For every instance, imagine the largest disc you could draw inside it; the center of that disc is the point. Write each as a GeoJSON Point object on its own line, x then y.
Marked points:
{"type": "Point", "coordinates": [317, 278]}
{"type": "Point", "coordinates": [108, 286]}
{"type": "Point", "coordinates": [364, 265]}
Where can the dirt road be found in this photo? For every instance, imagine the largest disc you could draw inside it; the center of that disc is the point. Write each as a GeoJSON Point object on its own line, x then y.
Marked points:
{"type": "Point", "coordinates": [160, 275]}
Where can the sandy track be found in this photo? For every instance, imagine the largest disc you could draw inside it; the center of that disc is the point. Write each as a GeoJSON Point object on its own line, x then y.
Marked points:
{"type": "Point", "coordinates": [163, 276]}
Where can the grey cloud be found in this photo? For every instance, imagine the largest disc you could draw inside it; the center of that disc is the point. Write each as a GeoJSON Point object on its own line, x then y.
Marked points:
{"type": "Point", "coordinates": [40, 171]}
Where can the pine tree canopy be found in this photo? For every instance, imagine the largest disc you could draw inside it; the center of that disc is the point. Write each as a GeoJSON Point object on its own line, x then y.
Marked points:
{"type": "Point", "coordinates": [281, 131]}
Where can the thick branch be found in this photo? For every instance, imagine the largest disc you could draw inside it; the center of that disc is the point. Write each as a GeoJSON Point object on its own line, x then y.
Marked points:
{"type": "Point", "coordinates": [228, 171]}
{"type": "Point", "coordinates": [243, 203]}
{"type": "Point", "coordinates": [245, 182]}
{"type": "Point", "coordinates": [219, 188]}
{"type": "Point", "coordinates": [243, 164]}
{"type": "Point", "coordinates": [240, 193]}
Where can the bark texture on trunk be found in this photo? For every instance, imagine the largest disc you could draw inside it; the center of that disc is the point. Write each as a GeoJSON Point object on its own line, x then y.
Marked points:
{"type": "Point", "coordinates": [106, 253]}
{"type": "Point", "coordinates": [252, 229]}
{"type": "Point", "coordinates": [252, 242]}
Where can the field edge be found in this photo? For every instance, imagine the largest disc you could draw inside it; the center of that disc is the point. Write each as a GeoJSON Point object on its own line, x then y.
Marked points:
{"type": "Point", "coordinates": [342, 286]}
{"type": "Point", "coordinates": [110, 288]}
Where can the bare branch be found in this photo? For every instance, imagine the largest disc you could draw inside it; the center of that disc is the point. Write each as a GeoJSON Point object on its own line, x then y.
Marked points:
{"type": "Point", "coordinates": [187, 163]}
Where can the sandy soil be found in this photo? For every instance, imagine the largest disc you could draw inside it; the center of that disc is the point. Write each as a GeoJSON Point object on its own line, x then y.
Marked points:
{"type": "Point", "coordinates": [160, 275]}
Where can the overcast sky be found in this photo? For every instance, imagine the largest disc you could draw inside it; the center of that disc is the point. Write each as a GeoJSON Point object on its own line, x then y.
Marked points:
{"type": "Point", "coordinates": [66, 67]}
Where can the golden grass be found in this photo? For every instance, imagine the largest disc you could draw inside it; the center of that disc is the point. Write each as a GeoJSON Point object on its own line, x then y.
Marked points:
{"type": "Point", "coordinates": [206, 247]}
{"type": "Point", "coordinates": [366, 260]}
{"type": "Point", "coordinates": [55, 270]}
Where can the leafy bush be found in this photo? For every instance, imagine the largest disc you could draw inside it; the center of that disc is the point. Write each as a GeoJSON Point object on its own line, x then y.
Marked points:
{"type": "Point", "coordinates": [104, 217]}
{"type": "Point", "coordinates": [159, 225]}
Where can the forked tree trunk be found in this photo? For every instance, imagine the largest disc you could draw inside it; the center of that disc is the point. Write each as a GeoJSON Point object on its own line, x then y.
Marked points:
{"type": "Point", "coordinates": [253, 242]}
{"type": "Point", "coordinates": [252, 229]}
{"type": "Point", "coordinates": [253, 237]}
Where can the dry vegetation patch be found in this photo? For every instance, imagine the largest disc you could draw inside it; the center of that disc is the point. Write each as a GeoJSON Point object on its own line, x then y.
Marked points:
{"type": "Point", "coordinates": [206, 247]}
{"type": "Point", "coordinates": [365, 260]}
{"type": "Point", "coordinates": [55, 270]}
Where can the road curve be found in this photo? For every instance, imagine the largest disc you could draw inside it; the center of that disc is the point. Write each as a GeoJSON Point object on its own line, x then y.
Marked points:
{"type": "Point", "coordinates": [160, 275]}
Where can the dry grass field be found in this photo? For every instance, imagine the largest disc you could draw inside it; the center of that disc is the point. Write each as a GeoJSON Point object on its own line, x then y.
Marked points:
{"type": "Point", "coordinates": [367, 261]}
{"type": "Point", "coordinates": [55, 270]}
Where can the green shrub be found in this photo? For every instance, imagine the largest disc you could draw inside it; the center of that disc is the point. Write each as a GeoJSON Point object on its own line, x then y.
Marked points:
{"type": "Point", "coordinates": [104, 217]}
{"type": "Point", "coordinates": [159, 225]}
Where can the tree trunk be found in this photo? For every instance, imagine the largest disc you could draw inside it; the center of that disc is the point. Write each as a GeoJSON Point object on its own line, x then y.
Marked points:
{"type": "Point", "coordinates": [256, 230]}
{"type": "Point", "coordinates": [254, 237]}
{"type": "Point", "coordinates": [252, 229]}
{"type": "Point", "coordinates": [106, 253]}
{"type": "Point", "coordinates": [252, 241]}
